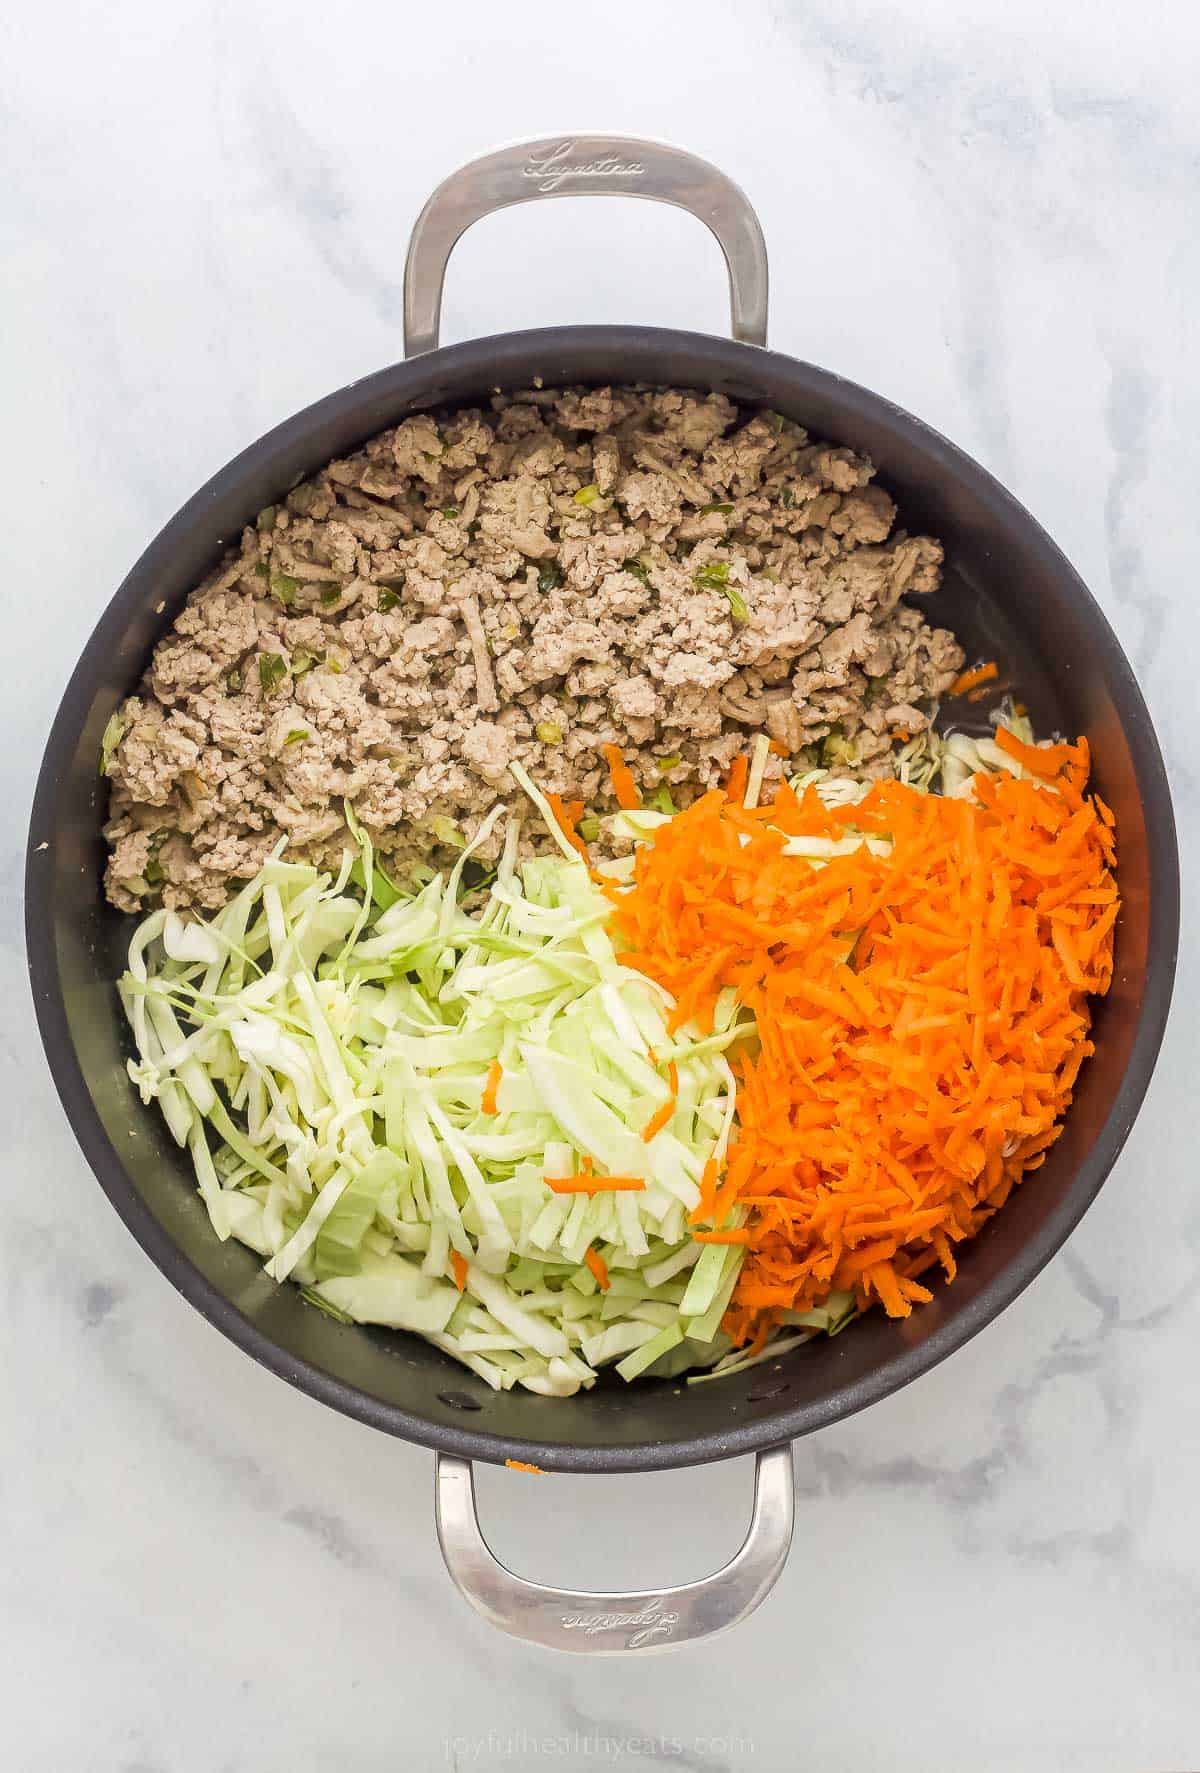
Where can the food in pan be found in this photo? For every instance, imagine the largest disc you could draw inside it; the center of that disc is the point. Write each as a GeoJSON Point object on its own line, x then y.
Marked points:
{"type": "Point", "coordinates": [665, 1060]}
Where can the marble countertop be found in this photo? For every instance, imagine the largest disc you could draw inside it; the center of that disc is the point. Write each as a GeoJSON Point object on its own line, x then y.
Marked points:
{"type": "Point", "coordinates": [987, 212]}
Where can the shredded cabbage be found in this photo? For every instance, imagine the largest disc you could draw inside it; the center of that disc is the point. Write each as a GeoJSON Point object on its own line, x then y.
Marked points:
{"type": "Point", "coordinates": [937, 763]}
{"type": "Point", "coordinates": [323, 1055]}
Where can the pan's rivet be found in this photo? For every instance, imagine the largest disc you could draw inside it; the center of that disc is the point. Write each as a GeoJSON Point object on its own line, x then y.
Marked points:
{"type": "Point", "coordinates": [459, 1400]}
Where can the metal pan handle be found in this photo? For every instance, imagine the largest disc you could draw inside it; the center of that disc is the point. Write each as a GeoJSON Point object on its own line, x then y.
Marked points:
{"type": "Point", "coordinates": [612, 1624]}
{"type": "Point", "coordinates": [584, 165]}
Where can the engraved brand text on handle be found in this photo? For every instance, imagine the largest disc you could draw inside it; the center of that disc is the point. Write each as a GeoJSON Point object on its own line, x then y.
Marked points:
{"type": "Point", "coordinates": [647, 1625]}
{"type": "Point", "coordinates": [554, 169]}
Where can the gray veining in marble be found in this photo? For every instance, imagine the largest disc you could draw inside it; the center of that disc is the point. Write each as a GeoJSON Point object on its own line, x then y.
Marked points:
{"type": "Point", "coordinates": [987, 211]}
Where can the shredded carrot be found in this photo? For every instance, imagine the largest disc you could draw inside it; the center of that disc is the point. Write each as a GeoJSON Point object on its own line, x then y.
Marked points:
{"type": "Point", "coordinates": [658, 1120]}
{"type": "Point", "coordinates": [524, 1465]}
{"type": "Point", "coordinates": [568, 814]}
{"type": "Point", "coordinates": [492, 1083]}
{"type": "Point", "coordinates": [624, 786]}
{"type": "Point", "coordinates": [735, 781]}
{"type": "Point", "coordinates": [458, 1263]}
{"type": "Point", "coordinates": [777, 748]}
{"type": "Point", "coordinates": [585, 1184]}
{"type": "Point", "coordinates": [1040, 760]}
{"type": "Point", "coordinates": [708, 1193]}
{"type": "Point", "coordinates": [673, 1078]}
{"type": "Point", "coordinates": [595, 1262]}
{"type": "Point", "coordinates": [902, 733]}
{"type": "Point", "coordinates": [922, 1014]}
{"type": "Point", "coordinates": [969, 680]}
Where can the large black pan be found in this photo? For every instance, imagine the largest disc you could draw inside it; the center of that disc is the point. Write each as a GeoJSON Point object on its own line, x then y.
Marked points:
{"type": "Point", "coordinates": [1008, 593]}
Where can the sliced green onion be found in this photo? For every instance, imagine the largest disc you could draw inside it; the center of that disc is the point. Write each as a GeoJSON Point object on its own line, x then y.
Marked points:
{"type": "Point", "coordinates": [713, 577]}
{"type": "Point", "coordinates": [837, 749]}
{"type": "Point", "coordinates": [447, 832]}
{"type": "Point", "coordinates": [284, 587]}
{"type": "Point", "coordinates": [272, 669]}
{"type": "Point", "coordinates": [113, 733]}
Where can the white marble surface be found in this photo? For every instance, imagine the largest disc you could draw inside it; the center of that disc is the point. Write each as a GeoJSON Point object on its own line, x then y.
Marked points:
{"type": "Point", "coordinates": [989, 212]}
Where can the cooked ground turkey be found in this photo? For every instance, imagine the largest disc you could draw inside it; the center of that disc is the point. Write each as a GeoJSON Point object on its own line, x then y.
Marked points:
{"type": "Point", "coordinates": [649, 568]}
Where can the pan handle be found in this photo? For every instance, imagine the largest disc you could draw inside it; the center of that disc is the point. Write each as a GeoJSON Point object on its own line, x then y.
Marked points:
{"type": "Point", "coordinates": [610, 1624]}
{"type": "Point", "coordinates": [574, 166]}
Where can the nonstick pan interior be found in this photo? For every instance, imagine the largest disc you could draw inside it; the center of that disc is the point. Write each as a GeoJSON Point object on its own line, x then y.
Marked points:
{"type": "Point", "coordinates": [1009, 595]}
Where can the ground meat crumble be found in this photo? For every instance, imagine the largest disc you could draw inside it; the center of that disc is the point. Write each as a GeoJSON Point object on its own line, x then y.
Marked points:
{"type": "Point", "coordinates": [571, 568]}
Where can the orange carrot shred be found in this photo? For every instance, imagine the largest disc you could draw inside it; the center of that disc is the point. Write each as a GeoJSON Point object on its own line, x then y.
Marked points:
{"type": "Point", "coordinates": [458, 1263]}
{"type": "Point", "coordinates": [585, 1184]}
{"type": "Point", "coordinates": [524, 1465]}
{"type": "Point", "coordinates": [658, 1120]}
{"type": "Point", "coordinates": [596, 1263]}
{"type": "Point", "coordinates": [922, 1013]}
{"type": "Point", "coordinates": [735, 781]}
{"type": "Point", "coordinates": [624, 786]}
{"type": "Point", "coordinates": [567, 815]}
{"type": "Point", "coordinates": [708, 1189]}
{"type": "Point", "coordinates": [969, 680]}
{"type": "Point", "coordinates": [1039, 760]}
{"type": "Point", "coordinates": [492, 1083]}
